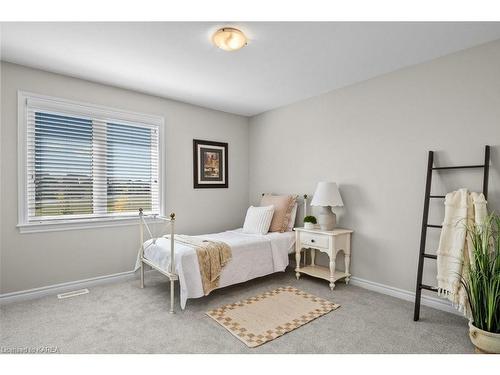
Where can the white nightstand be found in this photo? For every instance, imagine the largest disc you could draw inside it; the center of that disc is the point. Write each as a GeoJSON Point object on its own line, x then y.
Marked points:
{"type": "Point", "coordinates": [328, 242]}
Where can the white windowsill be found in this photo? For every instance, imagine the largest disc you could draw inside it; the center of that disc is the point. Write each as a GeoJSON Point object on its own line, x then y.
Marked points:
{"type": "Point", "coordinates": [61, 225]}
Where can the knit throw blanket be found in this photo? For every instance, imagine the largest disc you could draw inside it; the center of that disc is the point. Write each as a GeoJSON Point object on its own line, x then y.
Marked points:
{"type": "Point", "coordinates": [212, 257]}
{"type": "Point", "coordinates": [461, 209]}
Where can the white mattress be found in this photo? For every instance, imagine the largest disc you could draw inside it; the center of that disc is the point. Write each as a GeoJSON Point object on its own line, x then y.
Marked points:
{"type": "Point", "coordinates": [253, 256]}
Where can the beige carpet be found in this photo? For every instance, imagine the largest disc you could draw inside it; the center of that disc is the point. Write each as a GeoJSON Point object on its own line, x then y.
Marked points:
{"type": "Point", "coordinates": [265, 317]}
{"type": "Point", "coordinates": [122, 318]}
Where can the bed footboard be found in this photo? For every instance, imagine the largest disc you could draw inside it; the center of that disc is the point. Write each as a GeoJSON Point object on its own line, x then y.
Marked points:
{"type": "Point", "coordinates": [144, 227]}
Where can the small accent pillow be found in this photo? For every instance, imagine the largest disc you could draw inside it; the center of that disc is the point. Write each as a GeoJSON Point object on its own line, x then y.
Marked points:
{"type": "Point", "coordinates": [283, 206]}
{"type": "Point", "coordinates": [258, 220]}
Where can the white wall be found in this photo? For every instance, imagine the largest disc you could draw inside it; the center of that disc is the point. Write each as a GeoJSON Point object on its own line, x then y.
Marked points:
{"type": "Point", "coordinates": [36, 260]}
{"type": "Point", "coordinates": [372, 138]}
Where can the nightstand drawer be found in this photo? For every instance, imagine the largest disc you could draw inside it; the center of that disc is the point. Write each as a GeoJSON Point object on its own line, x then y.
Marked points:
{"type": "Point", "coordinates": [315, 240]}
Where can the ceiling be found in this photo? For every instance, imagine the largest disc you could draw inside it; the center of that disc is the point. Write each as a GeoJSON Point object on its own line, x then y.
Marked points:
{"type": "Point", "coordinates": [284, 62]}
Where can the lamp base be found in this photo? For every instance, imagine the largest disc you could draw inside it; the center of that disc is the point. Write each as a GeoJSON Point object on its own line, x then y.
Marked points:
{"type": "Point", "coordinates": [327, 220]}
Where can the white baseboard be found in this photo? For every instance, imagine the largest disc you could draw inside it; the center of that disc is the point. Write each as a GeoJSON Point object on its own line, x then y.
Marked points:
{"type": "Point", "coordinates": [24, 295]}
{"type": "Point", "coordinates": [434, 302]}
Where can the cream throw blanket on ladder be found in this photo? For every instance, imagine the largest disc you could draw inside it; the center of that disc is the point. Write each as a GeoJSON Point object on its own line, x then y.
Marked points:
{"type": "Point", "coordinates": [461, 208]}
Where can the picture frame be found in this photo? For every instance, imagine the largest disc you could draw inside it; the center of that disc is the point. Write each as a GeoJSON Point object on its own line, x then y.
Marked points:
{"type": "Point", "coordinates": [210, 164]}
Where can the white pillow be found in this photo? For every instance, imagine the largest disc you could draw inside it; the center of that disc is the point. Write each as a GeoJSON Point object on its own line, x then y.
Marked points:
{"type": "Point", "coordinates": [258, 219]}
{"type": "Point", "coordinates": [293, 215]}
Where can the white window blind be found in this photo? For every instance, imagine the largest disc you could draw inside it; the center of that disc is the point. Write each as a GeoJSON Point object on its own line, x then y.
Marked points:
{"type": "Point", "coordinates": [83, 166]}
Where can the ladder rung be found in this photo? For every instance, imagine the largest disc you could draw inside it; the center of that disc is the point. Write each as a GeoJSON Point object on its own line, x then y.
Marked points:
{"type": "Point", "coordinates": [437, 196]}
{"type": "Point", "coordinates": [433, 226]}
{"type": "Point", "coordinates": [430, 256]}
{"type": "Point", "coordinates": [460, 167]}
{"type": "Point", "coordinates": [428, 287]}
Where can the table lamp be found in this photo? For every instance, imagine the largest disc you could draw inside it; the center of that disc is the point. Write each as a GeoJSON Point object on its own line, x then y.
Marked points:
{"type": "Point", "coordinates": [327, 195]}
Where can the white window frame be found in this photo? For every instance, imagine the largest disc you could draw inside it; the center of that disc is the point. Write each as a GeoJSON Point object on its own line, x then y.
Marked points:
{"type": "Point", "coordinates": [86, 109]}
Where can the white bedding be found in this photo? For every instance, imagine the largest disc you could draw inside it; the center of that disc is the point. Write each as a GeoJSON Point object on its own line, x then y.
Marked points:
{"type": "Point", "coordinates": [254, 255]}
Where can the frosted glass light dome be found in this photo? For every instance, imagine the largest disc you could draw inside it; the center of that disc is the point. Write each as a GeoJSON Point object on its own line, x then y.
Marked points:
{"type": "Point", "coordinates": [229, 39]}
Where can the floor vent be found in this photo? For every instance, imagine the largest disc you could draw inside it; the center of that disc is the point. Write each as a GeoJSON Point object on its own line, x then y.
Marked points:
{"type": "Point", "coordinates": [73, 293]}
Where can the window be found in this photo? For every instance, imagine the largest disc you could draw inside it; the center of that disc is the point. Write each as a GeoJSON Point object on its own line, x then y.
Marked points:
{"type": "Point", "coordinates": [85, 163]}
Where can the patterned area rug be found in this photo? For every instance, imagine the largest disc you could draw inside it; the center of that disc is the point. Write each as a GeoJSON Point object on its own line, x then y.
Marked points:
{"type": "Point", "coordinates": [263, 318]}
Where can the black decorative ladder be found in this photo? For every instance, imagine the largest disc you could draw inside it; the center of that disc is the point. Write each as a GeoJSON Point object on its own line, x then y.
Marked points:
{"type": "Point", "coordinates": [425, 224]}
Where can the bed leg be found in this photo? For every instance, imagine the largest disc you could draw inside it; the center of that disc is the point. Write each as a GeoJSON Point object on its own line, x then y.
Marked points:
{"type": "Point", "coordinates": [142, 275]}
{"type": "Point", "coordinates": [171, 296]}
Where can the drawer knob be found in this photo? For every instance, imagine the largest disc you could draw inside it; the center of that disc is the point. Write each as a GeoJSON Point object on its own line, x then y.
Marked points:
{"type": "Point", "coordinates": [312, 240]}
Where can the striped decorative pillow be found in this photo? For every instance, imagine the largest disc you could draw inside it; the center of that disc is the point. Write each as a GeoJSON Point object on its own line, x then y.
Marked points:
{"type": "Point", "coordinates": [258, 219]}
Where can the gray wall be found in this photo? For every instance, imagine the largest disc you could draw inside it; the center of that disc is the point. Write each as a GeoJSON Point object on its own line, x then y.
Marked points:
{"type": "Point", "coordinates": [36, 260]}
{"type": "Point", "coordinates": [372, 138]}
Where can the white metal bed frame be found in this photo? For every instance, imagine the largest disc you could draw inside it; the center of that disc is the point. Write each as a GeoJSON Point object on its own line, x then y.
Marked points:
{"type": "Point", "coordinates": [170, 223]}
{"type": "Point", "coordinates": [172, 276]}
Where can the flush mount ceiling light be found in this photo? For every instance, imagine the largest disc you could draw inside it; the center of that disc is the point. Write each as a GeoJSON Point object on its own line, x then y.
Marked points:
{"type": "Point", "coordinates": [229, 39]}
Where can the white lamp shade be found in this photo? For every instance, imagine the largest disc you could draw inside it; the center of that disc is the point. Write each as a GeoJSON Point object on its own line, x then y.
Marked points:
{"type": "Point", "coordinates": [327, 194]}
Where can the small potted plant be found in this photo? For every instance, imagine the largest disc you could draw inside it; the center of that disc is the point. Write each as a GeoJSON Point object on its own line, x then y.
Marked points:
{"type": "Point", "coordinates": [310, 222]}
{"type": "Point", "coordinates": [481, 281]}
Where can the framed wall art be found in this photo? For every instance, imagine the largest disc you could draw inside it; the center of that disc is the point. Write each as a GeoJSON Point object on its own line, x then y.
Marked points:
{"type": "Point", "coordinates": [210, 164]}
